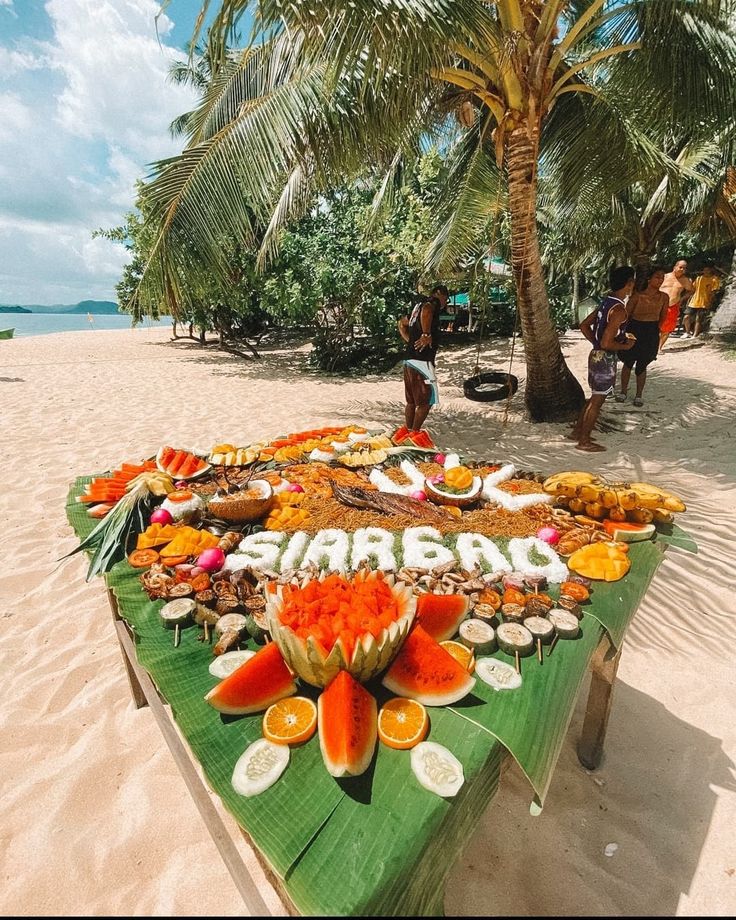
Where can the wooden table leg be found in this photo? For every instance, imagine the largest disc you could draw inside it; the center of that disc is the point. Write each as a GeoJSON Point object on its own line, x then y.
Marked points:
{"type": "Point", "coordinates": [139, 697]}
{"type": "Point", "coordinates": [244, 881]}
{"type": "Point", "coordinates": [603, 666]}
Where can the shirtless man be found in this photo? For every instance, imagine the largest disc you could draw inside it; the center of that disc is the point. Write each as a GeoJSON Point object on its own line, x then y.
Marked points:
{"type": "Point", "coordinates": [675, 285]}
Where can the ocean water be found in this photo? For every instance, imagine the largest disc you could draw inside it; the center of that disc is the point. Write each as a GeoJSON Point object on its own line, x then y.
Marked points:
{"type": "Point", "coordinates": [45, 323]}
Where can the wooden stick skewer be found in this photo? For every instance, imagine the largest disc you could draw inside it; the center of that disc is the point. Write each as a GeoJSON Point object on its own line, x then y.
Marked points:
{"type": "Point", "coordinates": [517, 661]}
{"type": "Point", "coordinates": [554, 643]}
{"type": "Point", "coordinates": [539, 651]}
{"type": "Point", "coordinates": [177, 635]}
{"type": "Point", "coordinates": [206, 632]}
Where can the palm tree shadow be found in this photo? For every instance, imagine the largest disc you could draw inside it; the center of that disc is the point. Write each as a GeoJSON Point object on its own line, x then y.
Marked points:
{"type": "Point", "coordinates": [654, 797]}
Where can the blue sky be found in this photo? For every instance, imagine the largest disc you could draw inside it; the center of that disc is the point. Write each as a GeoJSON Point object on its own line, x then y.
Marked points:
{"type": "Point", "coordinates": [85, 104]}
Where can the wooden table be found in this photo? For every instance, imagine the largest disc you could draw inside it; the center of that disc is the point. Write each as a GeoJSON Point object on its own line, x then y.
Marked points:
{"type": "Point", "coordinates": [604, 665]}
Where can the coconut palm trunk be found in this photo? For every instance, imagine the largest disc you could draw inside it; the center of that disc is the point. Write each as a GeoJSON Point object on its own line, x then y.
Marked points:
{"type": "Point", "coordinates": [724, 320]}
{"type": "Point", "coordinates": [552, 392]}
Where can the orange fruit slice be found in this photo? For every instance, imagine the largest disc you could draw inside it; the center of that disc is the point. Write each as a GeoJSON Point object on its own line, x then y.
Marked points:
{"type": "Point", "coordinates": [402, 723]}
{"type": "Point", "coordinates": [290, 721]}
{"type": "Point", "coordinates": [461, 653]}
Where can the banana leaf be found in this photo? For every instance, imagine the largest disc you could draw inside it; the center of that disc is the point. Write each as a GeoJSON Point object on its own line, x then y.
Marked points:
{"type": "Point", "coordinates": [377, 844]}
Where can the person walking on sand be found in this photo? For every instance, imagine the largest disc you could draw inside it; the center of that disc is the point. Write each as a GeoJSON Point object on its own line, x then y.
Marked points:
{"type": "Point", "coordinates": [605, 329]}
{"type": "Point", "coordinates": [706, 285]}
{"type": "Point", "coordinates": [646, 310]}
{"type": "Point", "coordinates": [421, 331]}
{"type": "Point", "coordinates": [675, 285]}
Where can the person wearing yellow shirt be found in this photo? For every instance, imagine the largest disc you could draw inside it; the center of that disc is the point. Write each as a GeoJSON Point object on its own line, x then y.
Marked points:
{"type": "Point", "coordinates": [706, 285]}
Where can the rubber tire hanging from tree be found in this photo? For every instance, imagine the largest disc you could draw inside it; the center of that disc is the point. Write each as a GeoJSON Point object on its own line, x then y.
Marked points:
{"type": "Point", "coordinates": [507, 386]}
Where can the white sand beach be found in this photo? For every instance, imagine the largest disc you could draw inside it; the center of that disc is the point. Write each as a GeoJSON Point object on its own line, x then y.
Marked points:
{"type": "Point", "coordinates": [94, 816]}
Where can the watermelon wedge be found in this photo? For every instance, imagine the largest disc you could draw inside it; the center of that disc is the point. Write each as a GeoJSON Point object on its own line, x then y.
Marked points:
{"type": "Point", "coordinates": [440, 615]}
{"type": "Point", "coordinates": [347, 720]}
{"type": "Point", "coordinates": [259, 682]}
{"type": "Point", "coordinates": [626, 532]}
{"type": "Point", "coordinates": [425, 672]}
{"type": "Point", "coordinates": [180, 464]}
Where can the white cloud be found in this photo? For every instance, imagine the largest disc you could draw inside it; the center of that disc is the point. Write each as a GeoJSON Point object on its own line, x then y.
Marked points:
{"type": "Point", "coordinates": [13, 61]}
{"type": "Point", "coordinates": [115, 73]}
{"type": "Point", "coordinates": [74, 138]}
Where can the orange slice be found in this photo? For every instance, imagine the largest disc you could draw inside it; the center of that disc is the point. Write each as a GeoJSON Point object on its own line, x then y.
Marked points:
{"type": "Point", "coordinates": [290, 721]}
{"type": "Point", "coordinates": [461, 653]}
{"type": "Point", "coordinates": [142, 558]}
{"type": "Point", "coordinates": [402, 723]}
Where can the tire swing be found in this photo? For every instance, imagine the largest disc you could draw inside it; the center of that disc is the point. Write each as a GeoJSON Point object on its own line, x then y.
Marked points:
{"type": "Point", "coordinates": [490, 386]}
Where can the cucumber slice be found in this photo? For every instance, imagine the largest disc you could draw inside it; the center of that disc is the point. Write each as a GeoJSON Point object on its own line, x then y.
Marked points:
{"type": "Point", "coordinates": [177, 613]}
{"type": "Point", "coordinates": [513, 637]}
{"type": "Point", "coordinates": [437, 769]}
{"type": "Point", "coordinates": [232, 621]}
{"type": "Point", "coordinates": [259, 767]}
{"type": "Point", "coordinates": [224, 665]}
{"type": "Point", "coordinates": [540, 628]}
{"type": "Point", "coordinates": [565, 623]}
{"type": "Point", "coordinates": [497, 674]}
{"type": "Point", "coordinates": [478, 636]}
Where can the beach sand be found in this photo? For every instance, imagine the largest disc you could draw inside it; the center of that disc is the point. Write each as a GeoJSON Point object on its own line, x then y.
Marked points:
{"type": "Point", "coordinates": [95, 818]}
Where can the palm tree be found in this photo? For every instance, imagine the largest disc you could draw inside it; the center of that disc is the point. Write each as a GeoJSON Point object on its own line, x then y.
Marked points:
{"type": "Point", "coordinates": [331, 85]}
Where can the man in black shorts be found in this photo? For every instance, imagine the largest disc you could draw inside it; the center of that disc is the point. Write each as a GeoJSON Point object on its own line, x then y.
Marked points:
{"type": "Point", "coordinates": [421, 333]}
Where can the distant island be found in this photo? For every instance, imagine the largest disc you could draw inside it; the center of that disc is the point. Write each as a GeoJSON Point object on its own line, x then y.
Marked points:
{"type": "Point", "coordinates": [84, 306]}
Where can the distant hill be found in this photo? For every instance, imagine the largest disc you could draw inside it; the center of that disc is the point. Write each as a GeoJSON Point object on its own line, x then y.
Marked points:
{"type": "Point", "coordinates": [84, 306]}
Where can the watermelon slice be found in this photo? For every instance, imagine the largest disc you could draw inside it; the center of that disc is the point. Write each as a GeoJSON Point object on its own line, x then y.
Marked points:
{"type": "Point", "coordinates": [347, 718]}
{"type": "Point", "coordinates": [625, 532]}
{"type": "Point", "coordinates": [261, 681]}
{"type": "Point", "coordinates": [440, 615]}
{"type": "Point", "coordinates": [180, 464]}
{"type": "Point", "coordinates": [425, 672]}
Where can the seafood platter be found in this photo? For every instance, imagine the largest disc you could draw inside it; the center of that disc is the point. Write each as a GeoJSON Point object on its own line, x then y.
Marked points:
{"type": "Point", "coordinates": [331, 569]}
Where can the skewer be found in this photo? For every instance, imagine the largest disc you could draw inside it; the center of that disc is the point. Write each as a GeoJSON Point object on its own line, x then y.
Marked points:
{"type": "Point", "coordinates": [554, 643]}
{"type": "Point", "coordinates": [539, 651]}
{"type": "Point", "coordinates": [177, 635]}
{"type": "Point", "coordinates": [517, 662]}
{"type": "Point", "coordinates": [206, 632]}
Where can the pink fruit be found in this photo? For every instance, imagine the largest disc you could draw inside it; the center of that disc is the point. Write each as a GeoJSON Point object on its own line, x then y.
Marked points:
{"type": "Point", "coordinates": [549, 535]}
{"type": "Point", "coordinates": [418, 496]}
{"type": "Point", "coordinates": [294, 487]}
{"type": "Point", "coordinates": [440, 458]}
{"type": "Point", "coordinates": [211, 559]}
{"type": "Point", "coordinates": [435, 479]}
{"type": "Point", "coordinates": [161, 516]}
{"type": "Point", "coordinates": [181, 484]}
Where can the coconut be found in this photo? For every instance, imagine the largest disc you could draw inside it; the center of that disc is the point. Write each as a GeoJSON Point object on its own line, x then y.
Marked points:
{"type": "Point", "coordinates": [458, 499]}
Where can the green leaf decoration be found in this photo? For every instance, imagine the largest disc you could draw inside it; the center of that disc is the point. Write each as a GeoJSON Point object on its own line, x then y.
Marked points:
{"type": "Point", "coordinates": [379, 844]}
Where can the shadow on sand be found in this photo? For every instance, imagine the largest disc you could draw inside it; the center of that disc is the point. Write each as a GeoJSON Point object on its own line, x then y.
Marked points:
{"type": "Point", "coordinates": [653, 797]}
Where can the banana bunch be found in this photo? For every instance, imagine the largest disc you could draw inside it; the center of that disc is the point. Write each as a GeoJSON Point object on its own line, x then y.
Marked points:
{"type": "Point", "coordinates": [364, 457]}
{"type": "Point", "coordinates": [639, 502]}
{"type": "Point", "coordinates": [156, 482]}
{"type": "Point", "coordinates": [227, 455]}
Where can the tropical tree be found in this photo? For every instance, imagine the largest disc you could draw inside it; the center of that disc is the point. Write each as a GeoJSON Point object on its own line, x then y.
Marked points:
{"type": "Point", "coordinates": [331, 85]}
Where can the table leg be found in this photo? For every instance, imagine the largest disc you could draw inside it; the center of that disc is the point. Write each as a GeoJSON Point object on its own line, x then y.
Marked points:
{"type": "Point", "coordinates": [139, 697]}
{"type": "Point", "coordinates": [603, 666]}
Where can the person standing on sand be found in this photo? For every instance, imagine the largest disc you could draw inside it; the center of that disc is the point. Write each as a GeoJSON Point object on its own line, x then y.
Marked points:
{"type": "Point", "coordinates": [706, 285]}
{"type": "Point", "coordinates": [605, 329]}
{"type": "Point", "coordinates": [421, 331]}
{"type": "Point", "coordinates": [646, 310]}
{"type": "Point", "coordinates": [676, 283]}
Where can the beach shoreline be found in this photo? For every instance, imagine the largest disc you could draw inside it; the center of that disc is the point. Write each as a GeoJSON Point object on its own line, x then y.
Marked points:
{"type": "Point", "coordinates": [95, 813]}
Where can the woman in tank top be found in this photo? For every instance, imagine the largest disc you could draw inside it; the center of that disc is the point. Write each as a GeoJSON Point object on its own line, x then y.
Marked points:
{"type": "Point", "coordinates": [646, 309]}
